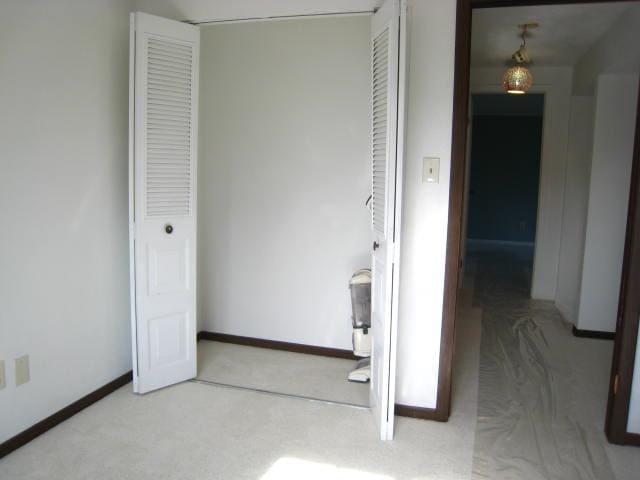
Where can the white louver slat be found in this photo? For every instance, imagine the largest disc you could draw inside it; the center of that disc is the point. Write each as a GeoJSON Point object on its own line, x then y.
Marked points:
{"type": "Point", "coordinates": [169, 108]}
{"type": "Point", "coordinates": [380, 76]}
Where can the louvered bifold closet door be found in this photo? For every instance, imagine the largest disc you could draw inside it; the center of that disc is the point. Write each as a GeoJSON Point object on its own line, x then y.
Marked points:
{"type": "Point", "coordinates": [164, 116]}
{"type": "Point", "coordinates": [386, 166]}
{"type": "Point", "coordinates": [380, 150]}
{"type": "Point", "coordinates": [169, 166]}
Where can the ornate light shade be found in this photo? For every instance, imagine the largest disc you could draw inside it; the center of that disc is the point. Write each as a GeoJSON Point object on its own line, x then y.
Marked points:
{"type": "Point", "coordinates": [517, 79]}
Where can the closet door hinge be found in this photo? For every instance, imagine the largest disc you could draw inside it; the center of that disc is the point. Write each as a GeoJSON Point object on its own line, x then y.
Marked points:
{"type": "Point", "coordinates": [615, 385]}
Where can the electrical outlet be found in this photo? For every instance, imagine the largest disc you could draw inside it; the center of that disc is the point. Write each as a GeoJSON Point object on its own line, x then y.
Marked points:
{"type": "Point", "coordinates": [22, 370]}
{"type": "Point", "coordinates": [3, 378]}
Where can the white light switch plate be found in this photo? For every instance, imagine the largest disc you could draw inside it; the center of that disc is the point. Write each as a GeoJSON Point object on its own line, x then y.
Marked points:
{"type": "Point", "coordinates": [431, 170]}
{"type": "Point", "coordinates": [3, 378]}
{"type": "Point", "coordinates": [22, 370]}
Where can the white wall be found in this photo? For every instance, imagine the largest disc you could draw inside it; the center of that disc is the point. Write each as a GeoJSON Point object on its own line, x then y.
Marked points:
{"type": "Point", "coordinates": [63, 202]}
{"type": "Point", "coordinates": [284, 176]}
{"type": "Point", "coordinates": [431, 33]}
{"type": "Point", "coordinates": [574, 213]}
{"type": "Point", "coordinates": [613, 140]}
{"type": "Point", "coordinates": [618, 51]}
{"type": "Point", "coordinates": [555, 83]}
{"type": "Point", "coordinates": [633, 423]}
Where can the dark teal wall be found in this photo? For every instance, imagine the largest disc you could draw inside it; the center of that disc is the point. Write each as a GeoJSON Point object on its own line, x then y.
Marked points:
{"type": "Point", "coordinates": [504, 177]}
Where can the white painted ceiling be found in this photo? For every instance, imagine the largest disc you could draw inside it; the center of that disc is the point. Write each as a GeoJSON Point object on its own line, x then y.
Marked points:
{"type": "Point", "coordinates": [565, 34]}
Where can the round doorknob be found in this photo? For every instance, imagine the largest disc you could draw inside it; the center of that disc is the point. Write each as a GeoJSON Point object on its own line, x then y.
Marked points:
{"type": "Point", "coordinates": [168, 228]}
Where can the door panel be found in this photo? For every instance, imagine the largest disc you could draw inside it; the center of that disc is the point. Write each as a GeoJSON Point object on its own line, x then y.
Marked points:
{"type": "Point", "coordinates": [164, 137]}
{"type": "Point", "coordinates": [168, 267]}
{"type": "Point", "coordinates": [168, 339]}
{"type": "Point", "coordinates": [387, 101]}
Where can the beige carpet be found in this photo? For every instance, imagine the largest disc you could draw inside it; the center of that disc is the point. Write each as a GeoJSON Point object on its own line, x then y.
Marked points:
{"type": "Point", "coordinates": [290, 373]}
{"type": "Point", "coordinates": [195, 431]}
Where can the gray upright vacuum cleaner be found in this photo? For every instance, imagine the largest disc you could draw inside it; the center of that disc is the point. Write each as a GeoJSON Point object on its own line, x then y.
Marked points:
{"type": "Point", "coordinates": [360, 287]}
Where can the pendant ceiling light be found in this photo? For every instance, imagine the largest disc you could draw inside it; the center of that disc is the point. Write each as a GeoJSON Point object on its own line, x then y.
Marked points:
{"type": "Point", "coordinates": [518, 79]}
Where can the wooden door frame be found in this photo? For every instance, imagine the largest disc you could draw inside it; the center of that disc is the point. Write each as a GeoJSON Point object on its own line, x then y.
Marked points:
{"type": "Point", "coordinates": [624, 349]}
{"type": "Point", "coordinates": [629, 307]}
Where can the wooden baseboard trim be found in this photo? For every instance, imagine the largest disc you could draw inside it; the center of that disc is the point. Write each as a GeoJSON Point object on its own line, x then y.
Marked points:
{"type": "Point", "coordinates": [627, 438]}
{"type": "Point", "coordinates": [277, 345]}
{"type": "Point", "coordinates": [632, 439]}
{"type": "Point", "coordinates": [420, 412]}
{"type": "Point", "coordinates": [60, 416]}
{"type": "Point", "coordinates": [593, 334]}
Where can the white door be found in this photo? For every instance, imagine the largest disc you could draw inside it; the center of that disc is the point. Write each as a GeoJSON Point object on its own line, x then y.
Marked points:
{"type": "Point", "coordinates": [388, 47]}
{"type": "Point", "coordinates": [163, 126]}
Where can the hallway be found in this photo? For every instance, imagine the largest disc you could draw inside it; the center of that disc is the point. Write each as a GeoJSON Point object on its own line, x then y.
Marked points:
{"type": "Point", "coordinates": [542, 392]}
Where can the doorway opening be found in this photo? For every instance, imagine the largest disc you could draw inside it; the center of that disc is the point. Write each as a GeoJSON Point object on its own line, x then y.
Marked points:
{"type": "Point", "coordinates": [503, 175]}
{"type": "Point", "coordinates": [269, 149]}
{"type": "Point", "coordinates": [529, 336]}
{"type": "Point", "coordinates": [291, 132]}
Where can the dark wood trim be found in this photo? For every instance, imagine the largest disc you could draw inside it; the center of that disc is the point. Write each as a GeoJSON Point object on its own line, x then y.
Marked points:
{"type": "Point", "coordinates": [60, 416]}
{"type": "Point", "coordinates": [624, 333]}
{"type": "Point", "coordinates": [626, 438]}
{"type": "Point", "coordinates": [277, 345]}
{"type": "Point", "coordinates": [419, 412]}
{"type": "Point", "coordinates": [456, 196]}
{"type": "Point", "coordinates": [577, 332]}
{"type": "Point", "coordinates": [624, 350]}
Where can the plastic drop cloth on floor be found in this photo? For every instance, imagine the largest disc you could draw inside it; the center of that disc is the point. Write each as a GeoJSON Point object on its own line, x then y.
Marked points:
{"type": "Point", "coordinates": [530, 422]}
